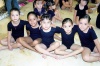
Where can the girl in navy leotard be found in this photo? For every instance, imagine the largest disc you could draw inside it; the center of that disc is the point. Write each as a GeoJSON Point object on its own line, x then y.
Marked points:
{"type": "Point", "coordinates": [67, 34]}
{"type": "Point", "coordinates": [80, 10]}
{"type": "Point", "coordinates": [33, 32]}
{"type": "Point", "coordinates": [15, 30]}
{"type": "Point", "coordinates": [53, 12]}
{"type": "Point", "coordinates": [38, 9]}
{"type": "Point", "coordinates": [98, 17]}
{"type": "Point", "coordinates": [47, 32]}
{"type": "Point", "coordinates": [88, 40]}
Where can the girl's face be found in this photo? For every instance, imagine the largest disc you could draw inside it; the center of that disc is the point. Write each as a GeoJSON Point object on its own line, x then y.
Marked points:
{"type": "Point", "coordinates": [83, 2]}
{"type": "Point", "coordinates": [46, 24]}
{"type": "Point", "coordinates": [39, 4]}
{"type": "Point", "coordinates": [83, 24]}
{"type": "Point", "coordinates": [54, 7]}
{"type": "Point", "coordinates": [32, 20]}
{"type": "Point", "coordinates": [67, 27]}
{"type": "Point", "coordinates": [14, 16]}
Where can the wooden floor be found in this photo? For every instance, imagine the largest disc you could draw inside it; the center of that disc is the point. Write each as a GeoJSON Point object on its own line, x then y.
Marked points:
{"type": "Point", "coordinates": [27, 57]}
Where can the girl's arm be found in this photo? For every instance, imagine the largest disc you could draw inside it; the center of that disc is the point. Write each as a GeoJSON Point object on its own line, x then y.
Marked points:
{"type": "Point", "coordinates": [74, 16]}
{"type": "Point", "coordinates": [8, 40]}
{"type": "Point", "coordinates": [28, 33]}
{"type": "Point", "coordinates": [86, 11]}
{"type": "Point", "coordinates": [97, 43]}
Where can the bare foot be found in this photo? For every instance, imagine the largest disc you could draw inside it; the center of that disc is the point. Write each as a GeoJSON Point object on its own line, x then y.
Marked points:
{"type": "Point", "coordinates": [75, 56]}
{"type": "Point", "coordinates": [61, 57]}
{"type": "Point", "coordinates": [99, 59]}
{"type": "Point", "coordinates": [44, 56]}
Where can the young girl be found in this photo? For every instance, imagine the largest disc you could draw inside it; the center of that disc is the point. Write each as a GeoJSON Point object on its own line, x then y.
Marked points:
{"type": "Point", "coordinates": [80, 10]}
{"type": "Point", "coordinates": [15, 30]}
{"type": "Point", "coordinates": [66, 4]}
{"type": "Point", "coordinates": [39, 10]}
{"type": "Point", "coordinates": [47, 32]}
{"type": "Point", "coordinates": [88, 40]}
{"type": "Point", "coordinates": [67, 34]}
{"type": "Point", "coordinates": [56, 1]}
{"type": "Point", "coordinates": [98, 17]}
{"type": "Point", "coordinates": [53, 12]}
{"type": "Point", "coordinates": [34, 36]}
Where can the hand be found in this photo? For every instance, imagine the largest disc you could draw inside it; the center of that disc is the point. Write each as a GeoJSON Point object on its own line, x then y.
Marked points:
{"type": "Point", "coordinates": [52, 25]}
{"type": "Point", "coordinates": [9, 47]}
{"type": "Point", "coordinates": [90, 26]}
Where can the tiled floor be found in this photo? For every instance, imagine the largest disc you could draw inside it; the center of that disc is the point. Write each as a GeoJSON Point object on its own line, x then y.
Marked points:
{"type": "Point", "coordinates": [26, 57]}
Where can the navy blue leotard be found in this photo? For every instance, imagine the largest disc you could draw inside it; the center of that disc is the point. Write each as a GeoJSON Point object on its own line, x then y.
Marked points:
{"type": "Point", "coordinates": [17, 31]}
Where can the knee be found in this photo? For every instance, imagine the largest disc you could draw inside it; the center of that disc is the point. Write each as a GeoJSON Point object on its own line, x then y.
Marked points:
{"type": "Point", "coordinates": [86, 58]}
{"type": "Point", "coordinates": [36, 42]}
{"type": "Point", "coordinates": [19, 45]}
{"type": "Point", "coordinates": [81, 49]}
{"type": "Point", "coordinates": [56, 51]}
{"type": "Point", "coordinates": [36, 46]}
{"type": "Point", "coordinates": [57, 44]}
{"type": "Point", "coordinates": [2, 42]}
{"type": "Point", "coordinates": [19, 39]}
{"type": "Point", "coordinates": [67, 3]}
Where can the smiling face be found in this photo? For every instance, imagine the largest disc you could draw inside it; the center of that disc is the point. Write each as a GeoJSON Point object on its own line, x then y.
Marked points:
{"type": "Point", "coordinates": [46, 24]}
{"type": "Point", "coordinates": [14, 15]}
{"type": "Point", "coordinates": [67, 27]}
{"type": "Point", "coordinates": [83, 24]}
{"type": "Point", "coordinates": [32, 20]}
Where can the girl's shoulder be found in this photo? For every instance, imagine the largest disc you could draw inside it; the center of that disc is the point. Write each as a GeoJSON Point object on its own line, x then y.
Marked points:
{"type": "Point", "coordinates": [23, 22]}
{"type": "Point", "coordinates": [75, 26]}
{"type": "Point", "coordinates": [9, 23]}
{"type": "Point", "coordinates": [91, 29]}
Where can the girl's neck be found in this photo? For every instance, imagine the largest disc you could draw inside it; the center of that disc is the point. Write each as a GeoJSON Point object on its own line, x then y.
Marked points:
{"type": "Point", "coordinates": [16, 22]}
{"type": "Point", "coordinates": [81, 7]}
{"type": "Point", "coordinates": [85, 31]}
{"type": "Point", "coordinates": [39, 9]}
{"type": "Point", "coordinates": [69, 33]}
{"type": "Point", "coordinates": [48, 30]}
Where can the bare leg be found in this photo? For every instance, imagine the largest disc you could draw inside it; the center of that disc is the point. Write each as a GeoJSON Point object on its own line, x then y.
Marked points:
{"type": "Point", "coordinates": [3, 47]}
{"type": "Point", "coordinates": [86, 55]}
{"type": "Point", "coordinates": [56, 2]}
{"type": "Point", "coordinates": [42, 49]}
{"type": "Point", "coordinates": [61, 50]}
{"type": "Point", "coordinates": [24, 41]}
{"type": "Point", "coordinates": [76, 50]}
{"type": "Point", "coordinates": [4, 41]}
{"type": "Point", "coordinates": [96, 53]}
{"type": "Point", "coordinates": [63, 7]}
{"type": "Point", "coordinates": [35, 42]}
{"type": "Point", "coordinates": [71, 4]}
{"type": "Point", "coordinates": [53, 46]}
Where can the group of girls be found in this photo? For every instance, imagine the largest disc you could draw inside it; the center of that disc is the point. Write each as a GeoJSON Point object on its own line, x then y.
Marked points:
{"type": "Point", "coordinates": [41, 33]}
